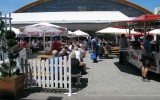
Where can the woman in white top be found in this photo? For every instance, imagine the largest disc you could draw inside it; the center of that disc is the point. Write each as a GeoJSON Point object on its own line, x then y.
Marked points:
{"type": "Point", "coordinates": [78, 53]}
{"type": "Point", "coordinates": [48, 49]}
{"type": "Point", "coordinates": [79, 56]}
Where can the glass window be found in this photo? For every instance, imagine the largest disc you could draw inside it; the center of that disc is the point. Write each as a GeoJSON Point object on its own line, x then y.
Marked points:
{"type": "Point", "coordinates": [83, 5]}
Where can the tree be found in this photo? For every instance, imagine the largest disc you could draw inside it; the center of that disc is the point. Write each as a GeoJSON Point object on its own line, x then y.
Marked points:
{"type": "Point", "coordinates": [8, 40]}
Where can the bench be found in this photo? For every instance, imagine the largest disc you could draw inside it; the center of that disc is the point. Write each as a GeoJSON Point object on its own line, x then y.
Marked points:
{"type": "Point", "coordinates": [115, 51]}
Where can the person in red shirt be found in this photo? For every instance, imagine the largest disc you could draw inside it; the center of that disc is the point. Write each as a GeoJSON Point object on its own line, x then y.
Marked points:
{"type": "Point", "coordinates": [56, 45]}
{"type": "Point", "coordinates": [22, 44]}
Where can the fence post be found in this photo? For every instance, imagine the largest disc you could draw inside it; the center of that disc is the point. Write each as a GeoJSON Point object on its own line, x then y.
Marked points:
{"type": "Point", "coordinates": [70, 86]}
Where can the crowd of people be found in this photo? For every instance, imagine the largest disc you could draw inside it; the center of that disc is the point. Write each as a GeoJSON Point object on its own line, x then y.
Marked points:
{"type": "Point", "coordinates": [100, 47]}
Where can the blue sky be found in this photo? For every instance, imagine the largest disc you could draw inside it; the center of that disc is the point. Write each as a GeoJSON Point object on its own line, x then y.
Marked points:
{"type": "Point", "coordinates": [7, 6]}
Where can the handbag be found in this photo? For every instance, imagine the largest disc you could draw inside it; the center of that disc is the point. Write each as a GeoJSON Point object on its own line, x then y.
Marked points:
{"type": "Point", "coordinates": [93, 56]}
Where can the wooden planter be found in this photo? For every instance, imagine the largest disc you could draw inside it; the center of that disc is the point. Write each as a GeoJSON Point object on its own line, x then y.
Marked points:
{"type": "Point", "coordinates": [11, 87]}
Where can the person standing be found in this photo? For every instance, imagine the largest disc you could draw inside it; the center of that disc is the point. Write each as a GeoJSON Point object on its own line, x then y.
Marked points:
{"type": "Point", "coordinates": [146, 57]}
{"type": "Point", "coordinates": [95, 49]}
{"type": "Point", "coordinates": [123, 45]}
{"type": "Point", "coordinates": [89, 44]}
{"type": "Point", "coordinates": [56, 45]}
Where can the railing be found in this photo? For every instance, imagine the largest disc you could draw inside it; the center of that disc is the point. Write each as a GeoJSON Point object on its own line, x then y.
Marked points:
{"type": "Point", "coordinates": [53, 73]}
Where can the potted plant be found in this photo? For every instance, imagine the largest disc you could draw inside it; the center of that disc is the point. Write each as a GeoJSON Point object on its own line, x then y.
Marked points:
{"type": "Point", "coordinates": [11, 80]}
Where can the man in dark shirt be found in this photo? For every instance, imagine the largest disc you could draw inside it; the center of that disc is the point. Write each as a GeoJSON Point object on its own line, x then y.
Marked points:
{"type": "Point", "coordinates": [146, 56]}
{"type": "Point", "coordinates": [63, 53]}
{"type": "Point", "coordinates": [95, 49]}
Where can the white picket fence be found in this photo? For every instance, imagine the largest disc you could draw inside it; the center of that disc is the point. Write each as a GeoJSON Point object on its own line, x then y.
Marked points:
{"type": "Point", "coordinates": [46, 74]}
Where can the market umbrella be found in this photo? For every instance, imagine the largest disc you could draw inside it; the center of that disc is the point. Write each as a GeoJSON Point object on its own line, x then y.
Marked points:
{"type": "Point", "coordinates": [116, 31]}
{"type": "Point", "coordinates": [112, 30]}
{"type": "Point", "coordinates": [71, 34]}
{"type": "Point", "coordinates": [43, 29]}
{"type": "Point", "coordinates": [79, 33]}
{"type": "Point", "coordinates": [155, 31]}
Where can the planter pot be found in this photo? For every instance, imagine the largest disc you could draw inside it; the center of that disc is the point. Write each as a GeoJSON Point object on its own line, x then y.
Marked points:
{"type": "Point", "coordinates": [11, 87]}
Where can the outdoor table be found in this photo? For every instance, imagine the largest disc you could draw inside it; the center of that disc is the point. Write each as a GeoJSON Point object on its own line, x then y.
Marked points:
{"type": "Point", "coordinates": [44, 56]}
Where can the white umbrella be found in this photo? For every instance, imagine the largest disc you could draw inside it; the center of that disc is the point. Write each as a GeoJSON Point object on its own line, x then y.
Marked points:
{"type": "Point", "coordinates": [112, 30]}
{"type": "Point", "coordinates": [80, 33]}
{"type": "Point", "coordinates": [71, 34]}
{"type": "Point", "coordinates": [155, 31]}
{"type": "Point", "coordinates": [44, 28]}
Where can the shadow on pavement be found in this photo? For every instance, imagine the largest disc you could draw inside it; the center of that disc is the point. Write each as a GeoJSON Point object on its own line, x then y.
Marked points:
{"type": "Point", "coordinates": [99, 60]}
{"type": "Point", "coordinates": [75, 88]}
{"type": "Point", "coordinates": [28, 91]}
{"type": "Point", "coordinates": [54, 98]}
{"type": "Point", "coordinates": [84, 84]}
{"type": "Point", "coordinates": [130, 69]}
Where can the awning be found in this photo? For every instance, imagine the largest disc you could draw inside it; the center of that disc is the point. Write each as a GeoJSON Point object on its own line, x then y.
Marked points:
{"type": "Point", "coordinates": [146, 17]}
{"type": "Point", "coordinates": [151, 21]}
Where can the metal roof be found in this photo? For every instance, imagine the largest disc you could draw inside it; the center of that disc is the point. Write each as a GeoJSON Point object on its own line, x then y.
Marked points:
{"type": "Point", "coordinates": [68, 17]}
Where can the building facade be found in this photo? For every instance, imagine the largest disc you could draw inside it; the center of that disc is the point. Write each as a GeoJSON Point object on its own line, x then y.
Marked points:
{"type": "Point", "coordinates": [127, 8]}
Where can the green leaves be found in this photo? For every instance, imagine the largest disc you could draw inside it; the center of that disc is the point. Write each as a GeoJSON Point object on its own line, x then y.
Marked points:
{"type": "Point", "coordinates": [8, 38]}
{"type": "Point", "coordinates": [9, 34]}
{"type": "Point", "coordinates": [4, 49]}
{"type": "Point", "coordinates": [11, 42]}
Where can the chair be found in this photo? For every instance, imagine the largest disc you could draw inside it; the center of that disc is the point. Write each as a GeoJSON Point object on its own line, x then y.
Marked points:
{"type": "Point", "coordinates": [78, 76]}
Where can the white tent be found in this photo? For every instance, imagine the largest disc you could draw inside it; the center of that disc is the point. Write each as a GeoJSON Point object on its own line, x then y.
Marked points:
{"type": "Point", "coordinates": [155, 31]}
{"type": "Point", "coordinates": [112, 30]}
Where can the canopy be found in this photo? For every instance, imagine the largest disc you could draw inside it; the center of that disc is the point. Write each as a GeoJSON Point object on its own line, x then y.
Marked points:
{"type": "Point", "coordinates": [71, 34]}
{"type": "Point", "coordinates": [80, 33]}
{"type": "Point", "coordinates": [112, 30]}
{"type": "Point", "coordinates": [44, 29]}
{"type": "Point", "coordinates": [155, 31]}
{"type": "Point", "coordinates": [146, 17]}
{"type": "Point", "coordinates": [150, 20]}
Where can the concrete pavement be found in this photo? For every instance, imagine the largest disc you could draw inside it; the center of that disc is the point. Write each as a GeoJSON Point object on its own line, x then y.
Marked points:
{"type": "Point", "coordinates": [105, 80]}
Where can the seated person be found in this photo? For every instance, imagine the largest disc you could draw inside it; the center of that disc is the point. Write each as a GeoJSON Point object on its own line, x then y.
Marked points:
{"type": "Point", "coordinates": [106, 53]}
{"type": "Point", "coordinates": [83, 54]}
{"type": "Point", "coordinates": [101, 50]}
{"type": "Point", "coordinates": [79, 57]}
{"type": "Point", "coordinates": [34, 46]}
{"type": "Point", "coordinates": [63, 53]}
{"type": "Point", "coordinates": [48, 49]}
{"type": "Point", "coordinates": [74, 65]}
{"type": "Point", "coordinates": [54, 55]}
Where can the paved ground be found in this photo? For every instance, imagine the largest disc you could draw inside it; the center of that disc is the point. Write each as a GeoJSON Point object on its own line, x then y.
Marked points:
{"type": "Point", "coordinates": [106, 80]}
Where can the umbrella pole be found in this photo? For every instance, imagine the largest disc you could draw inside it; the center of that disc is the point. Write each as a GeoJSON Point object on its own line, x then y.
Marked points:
{"type": "Point", "coordinates": [44, 42]}
{"type": "Point", "coordinates": [116, 39]}
{"type": "Point", "coordinates": [60, 38]}
{"type": "Point", "coordinates": [29, 42]}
